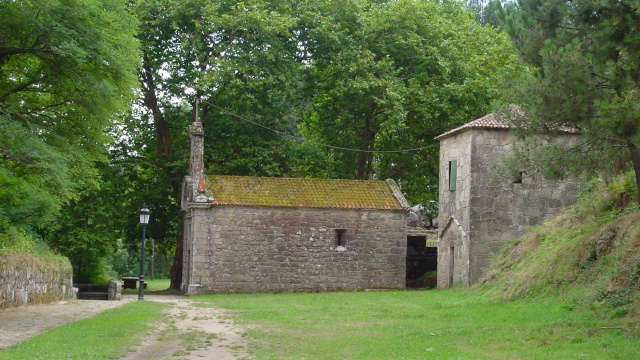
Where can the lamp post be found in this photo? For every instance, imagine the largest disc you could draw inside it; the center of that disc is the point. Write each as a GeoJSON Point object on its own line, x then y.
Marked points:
{"type": "Point", "coordinates": [144, 220]}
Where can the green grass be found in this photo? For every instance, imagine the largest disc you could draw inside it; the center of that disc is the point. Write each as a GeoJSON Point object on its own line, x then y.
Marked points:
{"type": "Point", "coordinates": [156, 286]}
{"type": "Point", "coordinates": [452, 324]}
{"type": "Point", "coordinates": [108, 335]}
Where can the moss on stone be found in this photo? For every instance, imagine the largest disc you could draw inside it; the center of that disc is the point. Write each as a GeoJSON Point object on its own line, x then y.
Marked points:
{"type": "Point", "coordinates": [296, 192]}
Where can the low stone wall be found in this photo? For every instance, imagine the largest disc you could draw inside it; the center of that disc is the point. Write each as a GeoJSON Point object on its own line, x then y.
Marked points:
{"type": "Point", "coordinates": [32, 279]}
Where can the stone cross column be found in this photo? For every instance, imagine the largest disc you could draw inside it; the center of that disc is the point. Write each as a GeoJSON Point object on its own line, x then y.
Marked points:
{"type": "Point", "coordinates": [196, 172]}
{"type": "Point", "coordinates": [196, 133]}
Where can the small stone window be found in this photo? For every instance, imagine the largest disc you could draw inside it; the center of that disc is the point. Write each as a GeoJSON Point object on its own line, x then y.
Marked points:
{"type": "Point", "coordinates": [519, 176]}
{"type": "Point", "coordinates": [453, 174]}
{"type": "Point", "coordinates": [340, 239]}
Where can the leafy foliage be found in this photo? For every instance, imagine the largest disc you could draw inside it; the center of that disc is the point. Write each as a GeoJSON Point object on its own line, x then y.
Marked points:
{"type": "Point", "coordinates": [237, 56]}
{"type": "Point", "coordinates": [486, 11]}
{"type": "Point", "coordinates": [17, 240]}
{"type": "Point", "coordinates": [393, 75]}
{"type": "Point", "coordinates": [372, 76]}
{"type": "Point", "coordinates": [66, 69]}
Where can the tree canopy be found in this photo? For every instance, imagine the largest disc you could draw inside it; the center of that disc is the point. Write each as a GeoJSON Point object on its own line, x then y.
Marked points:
{"type": "Point", "coordinates": [585, 61]}
{"type": "Point", "coordinates": [272, 80]}
{"type": "Point", "coordinates": [67, 69]}
{"type": "Point", "coordinates": [391, 76]}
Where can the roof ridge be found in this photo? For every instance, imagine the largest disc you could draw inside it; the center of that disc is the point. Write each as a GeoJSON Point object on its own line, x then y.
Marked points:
{"type": "Point", "coordinates": [488, 121]}
{"type": "Point", "coordinates": [292, 178]}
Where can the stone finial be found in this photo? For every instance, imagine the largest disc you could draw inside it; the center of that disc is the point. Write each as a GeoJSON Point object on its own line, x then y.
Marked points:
{"type": "Point", "coordinates": [201, 197]}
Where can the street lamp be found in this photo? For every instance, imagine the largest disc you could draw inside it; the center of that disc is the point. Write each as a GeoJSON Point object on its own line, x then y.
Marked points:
{"type": "Point", "coordinates": [144, 220]}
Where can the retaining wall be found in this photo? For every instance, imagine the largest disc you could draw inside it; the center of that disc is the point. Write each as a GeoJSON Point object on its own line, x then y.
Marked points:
{"type": "Point", "coordinates": [31, 279]}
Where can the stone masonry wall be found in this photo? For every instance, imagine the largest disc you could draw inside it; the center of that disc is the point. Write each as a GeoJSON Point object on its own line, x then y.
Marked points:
{"type": "Point", "coordinates": [454, 208]}
{"type": "Point", "coordinates": [262, 249]}
{"type": "Point", "coordinates": [502, 207]}
{"type": "Point", "coordinates": [27, 279]}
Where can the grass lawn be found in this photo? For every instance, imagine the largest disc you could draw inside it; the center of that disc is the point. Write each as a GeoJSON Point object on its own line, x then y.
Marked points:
{"type": "Point", "coordinates": [108, 335]}
{"type": "Point", "coordinates": [156, 286]}
{"type": "Point", "coordinates": [451, 324]}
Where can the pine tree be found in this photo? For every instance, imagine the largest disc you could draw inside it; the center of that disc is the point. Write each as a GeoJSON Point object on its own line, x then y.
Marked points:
{"type": "Point", "coordinates": [584, 58]}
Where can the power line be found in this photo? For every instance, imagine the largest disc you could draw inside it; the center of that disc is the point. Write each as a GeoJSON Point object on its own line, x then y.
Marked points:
{"type": "Point", "coordinates": [281, 133]}
{"type": "Point", "coordinates": [314, 142]}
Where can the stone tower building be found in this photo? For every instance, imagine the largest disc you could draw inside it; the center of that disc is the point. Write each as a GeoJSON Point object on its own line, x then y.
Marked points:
{"type": "Point", "coordinates": [479, 210]}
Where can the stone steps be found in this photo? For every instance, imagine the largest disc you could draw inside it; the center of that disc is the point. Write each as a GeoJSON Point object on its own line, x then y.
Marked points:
{"type": "Point", "coordinates": [93, 295]}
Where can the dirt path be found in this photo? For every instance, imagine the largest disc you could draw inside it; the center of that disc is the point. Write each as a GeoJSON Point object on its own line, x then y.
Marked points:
{"type": "Point", "coordinates": [190, 331]}
{"type": "Point", "coordinates": [193, 331]}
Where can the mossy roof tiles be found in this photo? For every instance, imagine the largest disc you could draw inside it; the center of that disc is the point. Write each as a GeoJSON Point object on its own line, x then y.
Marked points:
{"type": "Point", "coordinates": [300, 192]}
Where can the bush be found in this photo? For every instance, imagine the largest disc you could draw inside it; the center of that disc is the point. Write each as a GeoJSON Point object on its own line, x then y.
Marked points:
{"type": "Point", "coordinates": [18, 240]}
{"type": "Point", "coordinates": [124, 262]}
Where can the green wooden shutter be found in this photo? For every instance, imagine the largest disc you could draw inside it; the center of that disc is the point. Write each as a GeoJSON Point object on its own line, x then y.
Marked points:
{"type": "Point", "coordinates": [453, 171]}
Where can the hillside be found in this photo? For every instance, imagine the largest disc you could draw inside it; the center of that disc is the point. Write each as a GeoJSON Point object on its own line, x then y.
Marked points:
{"type": "Point", "coordinates": [588, 256]}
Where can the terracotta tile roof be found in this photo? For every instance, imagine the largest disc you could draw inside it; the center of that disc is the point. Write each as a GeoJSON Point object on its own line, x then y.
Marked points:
{"type": "Point", "coordinates": [296, 192]}
{"type": "Point", "coordinates": [489, 121]}
{"type": "Point", "coordinates": [500, 121]}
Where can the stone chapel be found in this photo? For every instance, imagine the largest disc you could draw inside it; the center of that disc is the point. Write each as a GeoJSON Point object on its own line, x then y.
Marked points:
{"type": "Point", "coordinates": [258, 234]}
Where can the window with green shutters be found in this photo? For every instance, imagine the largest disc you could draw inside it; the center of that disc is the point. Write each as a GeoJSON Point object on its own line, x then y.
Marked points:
{"type": "Point", "coordinates": [453, 169]}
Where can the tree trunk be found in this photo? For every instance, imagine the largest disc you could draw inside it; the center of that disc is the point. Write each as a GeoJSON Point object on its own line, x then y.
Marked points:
{"type": "Point", "coordinates": [635, 161]}
{"type": "Point", "coordinates": [364, 158]}
{"type": "Point", "coordinates": [165, 152]}
{"type": "Point", "coordinates": [176, 267]}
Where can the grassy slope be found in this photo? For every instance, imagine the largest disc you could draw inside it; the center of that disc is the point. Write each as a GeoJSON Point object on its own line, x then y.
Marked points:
{"type": "Point", "coordinates": [588, 257]}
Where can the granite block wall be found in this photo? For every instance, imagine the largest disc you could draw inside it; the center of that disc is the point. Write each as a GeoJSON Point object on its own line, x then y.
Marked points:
{"type": "Point", "coordinates": [504, 207]}
{"type": "Point", "coordinates": [271, 249]}
{"type": "Point", "coordinates": [454, 209]}
{"type": "Point", "coordinates": [32, 280]}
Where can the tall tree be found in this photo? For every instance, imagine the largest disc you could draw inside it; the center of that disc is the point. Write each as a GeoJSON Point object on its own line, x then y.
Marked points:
{"type": "Point", "coordinates": [239, 57]}
{"type": "Point", "coordinates": [393, 75]}
{"type": "Point", "coordinates": [585, 57]}
{"type": "Point", "coordinates": [67, 69]}
{"type": "Point", "coordinates": [354, 74]}
{"type": "Point", "coordinates": [486, 11]}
